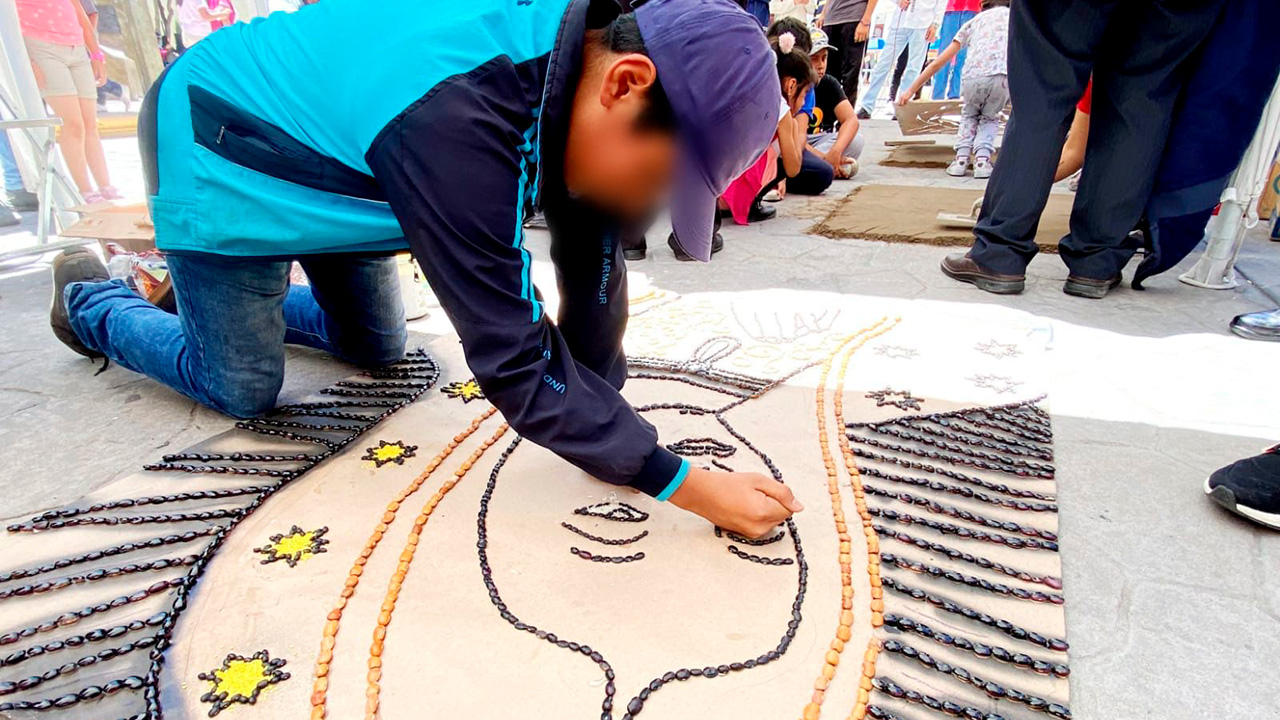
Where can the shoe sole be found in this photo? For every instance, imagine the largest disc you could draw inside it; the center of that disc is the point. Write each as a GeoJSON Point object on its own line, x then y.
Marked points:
{"type": "Point", "coordinates": [1245, 332]}
{"type": "Point", "coordinates": [58, 312]}
{"type": "Point", "coordinates": [996, 287]}
{"type": "Point", "coordinates": [1227, 499]}
{"type": "Point", "coordinates": [1089, 290]}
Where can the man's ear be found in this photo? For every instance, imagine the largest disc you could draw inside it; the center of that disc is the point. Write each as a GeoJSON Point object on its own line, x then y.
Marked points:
{"type": "Point", "coordinates": [627, 75]}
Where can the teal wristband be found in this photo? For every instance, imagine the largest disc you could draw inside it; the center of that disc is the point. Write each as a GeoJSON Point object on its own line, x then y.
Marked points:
{"type": "Point", "coordinates": [676, 481]}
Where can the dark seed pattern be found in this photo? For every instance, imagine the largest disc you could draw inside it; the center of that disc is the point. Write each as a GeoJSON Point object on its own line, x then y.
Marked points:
{"type": "Point", "coordinates": [615, 559]}
{"type": "Point", "coordinates": [612, 542]}
{"type": "Point", "coordinates": [917, 566]}
{"type": "Point", "coordinates": [963, 492]}
{"type": "Point", "coordinates": [221, 701]}
{"type": "Point", "coordinates": [377, 398]}
{"type": "Point", "coordinates": [1004, 626]}
{"type": "Point", "coordinates": [991, 688]}
{"type": "Point", "coordinates": [947, 707]}
{"type": "Point", "coordinates": [954, 475]}
{"type": "Point", "coordinates": [1021, 468]}
{"type": "Point", "coordinates": [621, 512]}
{"type": "Point", "coordinates": [315, 547]}
{"type": "Point", "coordinates": [978, 649]}
{"type": "Point", "coordinates": [901, 399]}
{"type": "Point", "coordinates": [757, 559]}
{"type": "Point", "coordinates": [964, 532]}
{"type": "Point", "coordinates": [954, 554]}
{"type": "Point", "coordinates": [961, 514]}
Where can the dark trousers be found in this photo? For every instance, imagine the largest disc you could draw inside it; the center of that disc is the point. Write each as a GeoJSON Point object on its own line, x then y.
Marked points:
{"type": "Point", "coordinates": [849, 54]}
{"type": "Point", "coordinates": [1134, 49]}
{"type": "Point", "coordinates": [815, 176]}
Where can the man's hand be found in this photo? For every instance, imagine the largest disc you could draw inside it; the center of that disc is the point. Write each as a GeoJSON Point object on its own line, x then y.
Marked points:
{"type": "Point", "coordinates": [863, 30]}
{"type": "Point", "coordinates": [834, 159]}
{"type": "Point", "coordinates": [749, 504]}
{"type": "Point", "coordinates": [931, 34]}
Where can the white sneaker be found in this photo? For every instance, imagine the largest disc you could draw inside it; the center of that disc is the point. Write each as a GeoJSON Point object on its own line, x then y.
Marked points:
{"type": "Point", "coordinates": [982, 168]}
{"type": "Point", "coordinates": [958, 167]}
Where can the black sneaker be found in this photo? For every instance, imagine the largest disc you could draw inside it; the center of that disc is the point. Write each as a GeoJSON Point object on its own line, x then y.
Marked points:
{"type": "Point", "coordinates": [72, 266]}
{"type": "Point", "coordinates": [717, 244]}
{"type": "Point", "coordinates": [1250, 488]}
{"type": "Point", "coordinates": [23, 200]}
{"type": "Point", "coordinates": [863, 114]}
{"type": "Point", "coordinates": [761, 212]}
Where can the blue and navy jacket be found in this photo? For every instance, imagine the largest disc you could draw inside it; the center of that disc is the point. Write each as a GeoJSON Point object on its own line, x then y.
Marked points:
{"type": "Point", "coordinates": [361, 127]}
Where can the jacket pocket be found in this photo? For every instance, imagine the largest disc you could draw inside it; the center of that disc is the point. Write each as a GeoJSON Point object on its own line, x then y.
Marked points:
{"type": "Point", "coordinates": [253, 143]}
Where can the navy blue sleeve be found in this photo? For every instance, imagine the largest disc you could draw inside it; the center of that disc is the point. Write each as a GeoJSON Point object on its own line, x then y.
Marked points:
{"type": "Point", "coordinates": [457, 170]}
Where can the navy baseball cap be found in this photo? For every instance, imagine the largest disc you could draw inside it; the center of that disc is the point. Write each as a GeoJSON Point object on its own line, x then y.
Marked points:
{"type": "Point", "coordinates": [721, 78]}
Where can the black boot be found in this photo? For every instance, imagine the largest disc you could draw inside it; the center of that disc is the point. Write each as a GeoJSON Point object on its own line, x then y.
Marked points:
{"type": "Point", "coordinates": [717, 244]}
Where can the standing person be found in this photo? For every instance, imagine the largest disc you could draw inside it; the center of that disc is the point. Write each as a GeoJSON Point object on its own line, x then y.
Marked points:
{"type": "Point", "coordinates": [848, 25]}
{"type": "Point", "coordinates": [833, 132]}
{"type": "Point", "coordinates": [69, 66]}
{"type": "Point", "coordinates": [564, 105]}
{"type": "Point", "coordinates": [986, 87]}
{"type": "Point", "coordinates": [946, 84]}
{"type": "Point", "coordinates": [1136, 50]}
{"type": "Point", "coordinates": [197, 19]}
{"type": "Point", "coordinates": [913, 27]}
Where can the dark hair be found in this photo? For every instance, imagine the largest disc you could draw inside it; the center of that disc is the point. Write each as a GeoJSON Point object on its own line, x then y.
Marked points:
{"type": "Point", "coordinates": [794, 65]}
{"type": "Point", "coordinates": [622, 36]}
{"type": "Point", "coordinates": [804, 40]}
{"type": "Point", "coordinates": [988, 4]}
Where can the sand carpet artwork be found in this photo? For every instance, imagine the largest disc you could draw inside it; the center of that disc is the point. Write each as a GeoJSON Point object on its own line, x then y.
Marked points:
{"type": "Point", "coordinates": [393, 550]}
{"type": "Point", "coordinates": [907, 213]}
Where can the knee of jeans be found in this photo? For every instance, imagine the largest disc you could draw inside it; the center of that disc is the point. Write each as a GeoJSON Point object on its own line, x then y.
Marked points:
{"type": "Point", "coordinates": [378, 350]}
{"type": "Point", "coordinates": [247, 399]}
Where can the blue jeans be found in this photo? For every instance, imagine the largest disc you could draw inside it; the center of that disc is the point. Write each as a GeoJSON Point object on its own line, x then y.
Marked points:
{"type": "Point", "coordinates": [895, 42]}
{"type": "Point", "coordinates": [12, 178]}
{"type": "Point", "coordinates": [946, 84]}
{"type": "Point", "coordinates": [225, 347]}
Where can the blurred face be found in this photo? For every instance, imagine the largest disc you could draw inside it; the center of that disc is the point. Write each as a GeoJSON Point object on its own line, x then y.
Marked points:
{"type": "Point", "coordinates": [612, 161]}
{"type": "Point", "coordinates": [819, 60]}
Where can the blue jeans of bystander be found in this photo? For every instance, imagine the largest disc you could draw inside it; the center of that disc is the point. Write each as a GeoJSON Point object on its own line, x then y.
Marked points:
{"type": "Point", "coordinates": [946, 84]}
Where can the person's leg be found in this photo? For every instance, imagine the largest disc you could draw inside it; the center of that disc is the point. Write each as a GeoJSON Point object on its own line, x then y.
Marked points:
{"type": "Point", "coordinates": [916, 48]}
{"type": "Point", "coordinates": [851, 52]}
{"type": "Point", "coordinates": [9, 164]}
{"type": "Point", "coordinates": [353, 309]}
{"type": "Point", "coordinates": [895, 44]}
{"type": "Point", "coordinates": [946, 33]}
{"type": "Point", "coordinates": [970, 111]}
{"type": "Point", "coordinates": [995, 95]}
{"type": "Point", "coordinates": [224, 349]}
{"type": "Point", "coordinates": [814, 177]}
{"type": "Point", "coordinates": [895, 82]}
{"type": "Point", "coordinates": [94, 155]}
{"type": "Point", "coordinates": [1051, 49]}
{"type": "Point", "coordinates": [1135, 87]}
{"type": "Point", "coordinates": [71, 139]}
{"type": "Point", "coordinates": [957, 64]}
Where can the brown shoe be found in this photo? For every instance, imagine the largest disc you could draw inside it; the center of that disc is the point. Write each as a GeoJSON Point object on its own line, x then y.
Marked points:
{"type": "Point", "coordinates": [962, 268]}
{"type": "Point", "coordinates": [1090, 288]}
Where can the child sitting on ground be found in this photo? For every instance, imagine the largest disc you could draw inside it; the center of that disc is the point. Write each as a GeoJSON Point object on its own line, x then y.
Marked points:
{"type": "Point", "coordinates": [833, 128]}
{"type": "Point", "coordinates": [795, 79]}
{"type": "Point", "coordinates": [985, 86]}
